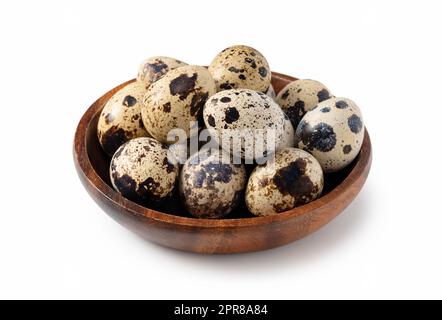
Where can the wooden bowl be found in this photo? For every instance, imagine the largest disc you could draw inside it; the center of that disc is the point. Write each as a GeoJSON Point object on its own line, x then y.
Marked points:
{"type": "Point", "coordinates": [171, 225]}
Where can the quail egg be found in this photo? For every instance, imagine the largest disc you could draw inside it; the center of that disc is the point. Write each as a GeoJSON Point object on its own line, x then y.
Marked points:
{"type": "Point", "coordinates": [294, 178]}
{"type": "Point", "coordinates": [175, 100]}
{"type": "Point", "coordinates": [245, 122]}
{"type": "Point", "coordinates": [241, 67]}
{"type": "Point", "coordinates": [154, 68]}
{"type": "Point", "coordinates": [141, 171]}
{"type": "Point", "coordinates": [211, 187]}
{"type": "Point", "coordinates": [301, 96]}
{"type": "Point", "coordinates": [120, 119]}
{"type": "Point", "coordinates": [332, 132]}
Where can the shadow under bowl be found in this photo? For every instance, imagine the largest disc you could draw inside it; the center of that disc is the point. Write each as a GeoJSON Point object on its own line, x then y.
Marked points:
{"type": "Point", "coordinates": [170, 225]}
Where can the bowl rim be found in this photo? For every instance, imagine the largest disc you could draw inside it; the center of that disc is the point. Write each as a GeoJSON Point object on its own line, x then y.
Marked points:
{"type": "Point", "coordinates": [84, 166]}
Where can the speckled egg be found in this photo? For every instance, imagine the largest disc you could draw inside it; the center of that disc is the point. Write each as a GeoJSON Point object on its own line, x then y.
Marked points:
{"type": "Point", "coordinates": [241, 67]}
{"type": "Point", "coordinates": [141, 171]}
{"type": "Point", "coordinates": [209, 187]}
{"type": "Point", "coordinates": [294, 178]}
{"type": "Point", "coordinates": [175, 100]}
{"type": "Point", "coordinates": [120, 119]}
{"type": "Point", "coordinates": [154, 68]}
{"type": "Point", "coordinates": [301, 96]}
{"type": "Point", "coordinates": [333, 132]}
{"type": "Point", "coordinates": [249, 115]}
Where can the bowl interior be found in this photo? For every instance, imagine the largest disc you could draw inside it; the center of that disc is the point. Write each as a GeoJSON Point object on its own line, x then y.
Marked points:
{"type": "Point", "coordinates": [100, 162]}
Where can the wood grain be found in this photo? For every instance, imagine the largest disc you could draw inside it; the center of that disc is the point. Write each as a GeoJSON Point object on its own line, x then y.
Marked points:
{"type": "Point", "coordinates": [171, 226]}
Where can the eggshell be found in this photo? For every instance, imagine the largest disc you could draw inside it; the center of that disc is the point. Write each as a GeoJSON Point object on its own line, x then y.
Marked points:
{"type": "Point", "coordinates": [294, 178]}
{"type": "Point", "coordinates": [241, 67]}
{"type": "Point", "coordinates": [249, 115]}
{"type": "Point", "coordinates": [175, 100]}
{"type": "Point", "coordinates": [120, 119]}
{"type": "Point", "coordinates": [209, 187]}
{"type": "Point", "coordinates": [299, 97]}
{"type": "Point", "coordinates": [142, 171]}
{"type": "Point", "coordinates": [153, 68]}
{"type": "Point", "coordinates": [332, 132]}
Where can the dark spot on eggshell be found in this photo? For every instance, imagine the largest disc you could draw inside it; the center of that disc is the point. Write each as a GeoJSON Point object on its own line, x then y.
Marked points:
{"type": "Point", "coordinates": [354, 123]}
{"type": "Point", "coordinates": [251, 62]}
{"type": "Point", "coordinates": [320, 137]}
{"type": "Point", "coordinates": [155, 70]}
{"type": "Point", "coordinates": [227, 86]}
{"type": "Point", "coordinates": [211, 120]}
{"type": "Point", "coordinates": [262, 71]}
{"type": "Point", "coordinates": [242, 77]}
{"type": "Point", "coordinates": [341, 104]}
{"type": "Point", "coordinates": [166, 107]}
{"type": "Point", "coordinates": [296, 112]}
{"type": "Point", "coordinates": [129, 101]}
{"type": "Point", "coordinates": [263, 182]}
{"type": "Point", "coordinates": [325, 109]}
{"type": "Point", "coordinates": [285, 95]}
{"type": "Point", "coordinates": [225, 99]}
{"type": "Point", "coordinates": [108, 118]}
{"type": "Point", "coordinates": [197, 103]}
{"type": "Point", "coordinates": [125, 185]}
{"type": "Point", "coordinates": [231, 115]}
{"type": "Point", "coordinates": [323, 95]}
{"type": "Point", "coordinates": [169, 166]}
{"type": "Point", "coordinates": [293, 180]}
{"type": "Point", "coordinates": [347, 149]}
{"type": "Point", "coordinates": [235, 70]}
{"type": "Point", "coordinates": [113, 138]}
{"type": "Point", "coordinates": [217, 172]}
{"type": "Point", "coordinates": [183, 85]}
{"type": "Point", "coordinates": [147, 190]}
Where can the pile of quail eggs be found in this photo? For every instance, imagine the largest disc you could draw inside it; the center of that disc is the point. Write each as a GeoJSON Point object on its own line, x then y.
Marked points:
{"type": "Point", "coordinates": [316, 133]}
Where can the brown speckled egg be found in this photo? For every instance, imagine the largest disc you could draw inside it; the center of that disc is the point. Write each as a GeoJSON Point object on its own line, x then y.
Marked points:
{"type": "Point", "coordinates": [141, 171]}
{"type": "Point", "coordinates": [247, 112]}
{"type": "Point", "coordinates": [301, 96]}
{"type": "Point", "coordinates": [294, 178]}
{"type": "Point", "coordinates": [209, 187]}
{"type": "Point", "coordinates": [332, 132]}
{"type": "Point", "coordinates": [175, 100]}
{"type": "Point", "coordinates": [241, 67]}
{"type": "Point", "coordinates": [154, 68]}
{"type": "Point", "coordinates": [120, 119]}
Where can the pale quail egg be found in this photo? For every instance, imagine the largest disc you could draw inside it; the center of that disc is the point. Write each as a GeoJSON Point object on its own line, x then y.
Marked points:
{"type": "Point", "coordinates": [332, 132]}
{"type": "Point", "coordinates": [241, 67]}
{"type": "Point", "coordinates": [243, 121]}
{"type": "Point", "coordinates": [175, 100]}
{"type": "Point", "coordinates": [209, 187]}
{"type": "Point", "coordinates": [141, 171]}
{"type": "Point", "coordinates": [120, 119]}
{"type": "Point", "coordinates": [294, 178]}
{"type": "Point", "coordinates": [154, 68]}
{"type": "Point", "coordinates": [301, 96]}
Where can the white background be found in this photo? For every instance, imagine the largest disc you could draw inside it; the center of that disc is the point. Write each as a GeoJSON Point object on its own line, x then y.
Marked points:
{"type": "Point", "coordinates": [58, 57]}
